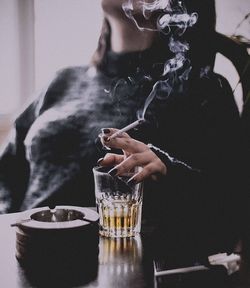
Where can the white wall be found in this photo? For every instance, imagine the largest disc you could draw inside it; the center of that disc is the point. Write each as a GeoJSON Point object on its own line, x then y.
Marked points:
{"type": "Point", "coordinates": [9, 55]}
{"type": "Point", "coordinates": [16, 59]}
{"type": "Point", "coordinates": [66, 33]}
{"type": "Point", "coordinates": [229, 15]}
{"type": "Point", "coordinates": [16, 53]}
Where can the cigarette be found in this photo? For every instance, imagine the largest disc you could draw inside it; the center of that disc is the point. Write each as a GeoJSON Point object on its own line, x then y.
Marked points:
{"type": "Point", "coordinates": [127, 128]}
{"type": "Point", "coordinates": [181, 270]}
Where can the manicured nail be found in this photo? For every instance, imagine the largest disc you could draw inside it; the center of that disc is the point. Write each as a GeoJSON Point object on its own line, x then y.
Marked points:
{"type": "Point", "coordinates": [131, 181]}
{"type": "Point", "coordinates": [99, 160]}
{"type": "Point", "coordinates": [113, 171]}
{"type": "Point", "coordinates": [105, 130]}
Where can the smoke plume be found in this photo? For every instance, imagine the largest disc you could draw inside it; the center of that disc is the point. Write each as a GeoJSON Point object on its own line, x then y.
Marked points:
{"type": "Point", "coordinates": [171, 18]}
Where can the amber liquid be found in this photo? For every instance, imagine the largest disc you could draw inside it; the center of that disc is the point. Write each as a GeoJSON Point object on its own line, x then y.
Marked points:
{"type": "Point", "coordinates": [119, 218]}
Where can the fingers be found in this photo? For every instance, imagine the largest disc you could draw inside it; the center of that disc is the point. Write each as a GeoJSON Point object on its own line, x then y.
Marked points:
{"type": "Point", "coordinates": [123, 141]}
{"type": "Point", "coordinates": [108, 132]}
{"type": "Point", "coordinates": [127, 144]}
{"type": "Point", "coordinates": [134, 160]}
{"type": "Point", "coordinates": [136, 154]}
{"type": "Point", "coordinates": [153, 170]}
{"type": "Point", "coordinates": [110, 159]}
{"type": "Point", "coordinates": [151, 166]}
{"type": "Point", "coordinates": [105, 136]}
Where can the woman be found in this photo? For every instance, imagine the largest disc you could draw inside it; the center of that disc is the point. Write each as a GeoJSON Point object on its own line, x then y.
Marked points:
{"type": "Point", "coordinates": [50, 157]}
{"type": "Point", "coordinates": [198, 194]}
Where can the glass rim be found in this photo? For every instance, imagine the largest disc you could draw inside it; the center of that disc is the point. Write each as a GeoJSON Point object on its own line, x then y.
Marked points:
{"type": "Point", "coordinates": [97, 170]}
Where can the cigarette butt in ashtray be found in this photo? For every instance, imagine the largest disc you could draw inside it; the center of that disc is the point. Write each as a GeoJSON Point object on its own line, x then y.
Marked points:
{"type": "Point", "coordinates": [127, 128]}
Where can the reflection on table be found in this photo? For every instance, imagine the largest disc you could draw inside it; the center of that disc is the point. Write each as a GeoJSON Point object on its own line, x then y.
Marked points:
{"type": "Point", "coordinates": [120, 259]}
{"type": "Point", "coordinates": [124, 262]}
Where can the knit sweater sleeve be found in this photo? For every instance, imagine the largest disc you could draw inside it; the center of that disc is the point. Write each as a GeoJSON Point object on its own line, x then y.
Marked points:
{"type": "Point", "coordinates": [14, 166]}
{"type": "Point", "coordinates": [215, 191]}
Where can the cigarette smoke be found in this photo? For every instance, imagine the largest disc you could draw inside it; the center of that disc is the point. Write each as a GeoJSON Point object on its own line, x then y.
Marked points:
{"type": "Point", "coordinates": [173, 20]}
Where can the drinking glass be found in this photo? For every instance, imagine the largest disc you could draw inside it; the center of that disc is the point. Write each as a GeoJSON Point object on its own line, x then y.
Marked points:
{"type": "Point", "coordinates": [119, 203]}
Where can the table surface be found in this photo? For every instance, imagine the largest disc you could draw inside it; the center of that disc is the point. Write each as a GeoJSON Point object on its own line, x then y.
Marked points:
{"type": "Point", "coordinates": [121, 262]}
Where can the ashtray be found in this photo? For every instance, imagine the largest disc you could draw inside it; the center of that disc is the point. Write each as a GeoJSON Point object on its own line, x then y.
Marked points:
{"type": "Point", "coordinates": [61, 239]}
{"type": "Point", "coordinates": [60, 217]}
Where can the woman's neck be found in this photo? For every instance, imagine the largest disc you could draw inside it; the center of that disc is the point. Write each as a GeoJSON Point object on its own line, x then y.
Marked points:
{"type": "Point", "coordinates": [126, 37]}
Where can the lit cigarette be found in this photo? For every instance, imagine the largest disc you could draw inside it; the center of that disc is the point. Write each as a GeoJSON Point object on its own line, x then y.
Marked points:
{"type": "Point", "coordinates": [127, 128]}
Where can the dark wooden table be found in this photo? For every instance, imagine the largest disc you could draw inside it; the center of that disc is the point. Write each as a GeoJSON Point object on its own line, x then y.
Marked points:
{"type": "Point", "coordinates": [122, 263]}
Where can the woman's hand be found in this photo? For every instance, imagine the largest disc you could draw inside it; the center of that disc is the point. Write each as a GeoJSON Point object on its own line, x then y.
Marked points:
{"type": "Point", "coordinates": [135, 153]}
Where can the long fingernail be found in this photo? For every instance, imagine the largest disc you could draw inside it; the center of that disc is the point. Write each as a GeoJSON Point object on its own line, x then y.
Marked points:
{"type": "Point", "coordinates": [105, 130]}
{"type": "Point", "coordinates": [99, 160]}
{"type": "Point", "coordinates": [113, 171]}
{"type": "Point", "coordinates": [131, 181]}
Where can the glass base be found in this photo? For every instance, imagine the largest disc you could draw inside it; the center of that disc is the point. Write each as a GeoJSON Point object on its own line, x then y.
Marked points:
{"type": "Point", "coordinates": [119, 233]}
